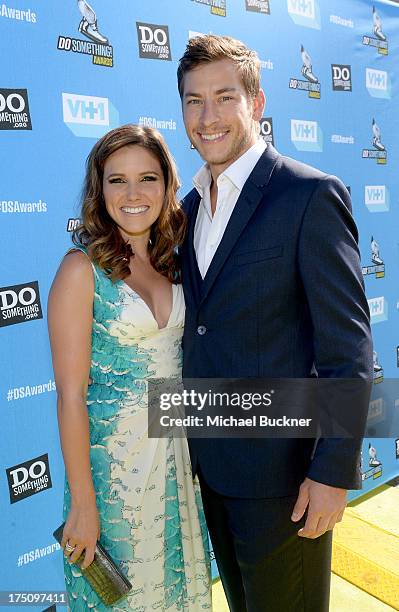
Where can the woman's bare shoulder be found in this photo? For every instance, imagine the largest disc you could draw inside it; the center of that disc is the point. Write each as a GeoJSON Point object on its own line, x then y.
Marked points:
{"type": "Point", "coordinates": [75, 272]}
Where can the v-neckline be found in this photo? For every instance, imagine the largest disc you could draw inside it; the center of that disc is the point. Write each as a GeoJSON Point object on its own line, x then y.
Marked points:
{"type": "Point", "coordinates": [147, 306]}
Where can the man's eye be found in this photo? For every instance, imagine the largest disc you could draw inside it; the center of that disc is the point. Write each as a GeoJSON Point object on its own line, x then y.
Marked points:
{"type": "Point", "coordinates": [226, 98]}
{"type": "Point", "coordinates": [193, 101]}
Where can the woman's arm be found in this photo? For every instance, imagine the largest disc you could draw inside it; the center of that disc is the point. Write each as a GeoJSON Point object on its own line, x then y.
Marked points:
{"type": "Point", "coordinates": [70, 314]}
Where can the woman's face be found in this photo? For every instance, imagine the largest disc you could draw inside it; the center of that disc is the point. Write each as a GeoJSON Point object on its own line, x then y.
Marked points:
{"type": "Point", "coordinates": [133, 189]}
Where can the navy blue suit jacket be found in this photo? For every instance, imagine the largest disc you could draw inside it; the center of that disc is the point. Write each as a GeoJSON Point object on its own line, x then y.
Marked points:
{"type": "Point", "coordinates": [283, 296]}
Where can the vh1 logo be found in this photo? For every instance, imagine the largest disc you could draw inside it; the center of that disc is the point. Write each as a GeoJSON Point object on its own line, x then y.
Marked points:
{"type": "Point", "coordinates": [88, 116]}
{"type": "Point", "coordinates": [378, 83]}
{"type": "Point", "coordinates": [376, 198]}
{"type": "Point", "coordinates": [304, 13]}
{"type": "Point", "coordinates": [306, 135]}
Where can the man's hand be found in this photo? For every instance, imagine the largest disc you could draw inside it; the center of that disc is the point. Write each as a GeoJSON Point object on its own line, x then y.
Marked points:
{"type": "Point", "coordinates": [326, 507]}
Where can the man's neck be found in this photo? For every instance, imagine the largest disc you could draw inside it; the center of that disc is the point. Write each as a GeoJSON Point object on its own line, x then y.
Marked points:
{"type": "Point", "coordinates": [217, 169]}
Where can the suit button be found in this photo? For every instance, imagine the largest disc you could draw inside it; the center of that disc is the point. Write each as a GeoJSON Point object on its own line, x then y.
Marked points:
{"type": "Point", "coordinates": [201, 329]}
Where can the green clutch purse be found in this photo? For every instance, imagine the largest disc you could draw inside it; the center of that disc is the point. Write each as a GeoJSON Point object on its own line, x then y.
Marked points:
{"type": "Point", "coordinates": [103, 575]}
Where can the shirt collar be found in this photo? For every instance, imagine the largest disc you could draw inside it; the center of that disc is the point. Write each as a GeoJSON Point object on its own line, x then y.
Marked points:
{"type": "Point", "coordinates": [238, 172]}
{"type": "Point", "coordinates": [202, 180]}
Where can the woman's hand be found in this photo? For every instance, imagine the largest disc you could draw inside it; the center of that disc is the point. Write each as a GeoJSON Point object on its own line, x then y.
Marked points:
{"type": "Point", "coordinates": [81, 531]}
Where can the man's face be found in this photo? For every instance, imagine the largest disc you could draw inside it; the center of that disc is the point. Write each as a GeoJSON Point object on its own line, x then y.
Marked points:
{"type": "Point", "coordinates": [219, 117]}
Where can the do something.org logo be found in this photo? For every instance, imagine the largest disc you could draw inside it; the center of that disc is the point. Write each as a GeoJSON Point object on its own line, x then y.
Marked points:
{"type": "Point", "coordinates": [28, 478]}
{"type": "Point", "coordinates": [20, 303]}
{"type": "Point", "coordinates": [266, 130]}
{"type": "Point", "coordinates": [14, 110]}
{"type": "Point", "coordinates": [341, 77]}
{"type": "Point", "coordinates": [258, 6]}
{"type": "Point", "coordinates": [154, 42]}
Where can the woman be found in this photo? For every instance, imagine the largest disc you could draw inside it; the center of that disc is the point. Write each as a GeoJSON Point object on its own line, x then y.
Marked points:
{"type": "Point", "coordinates": [116, 317]}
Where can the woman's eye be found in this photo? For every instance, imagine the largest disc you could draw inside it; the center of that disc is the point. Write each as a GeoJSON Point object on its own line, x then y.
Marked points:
{"type": "Point", "coordinates": [115, 180]}
{"type": "Point", "coordinates": [149, 178]}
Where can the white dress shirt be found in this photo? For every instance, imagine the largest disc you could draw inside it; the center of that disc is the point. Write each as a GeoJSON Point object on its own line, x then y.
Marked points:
{"type": "Point", "coordinates": [209, 229]}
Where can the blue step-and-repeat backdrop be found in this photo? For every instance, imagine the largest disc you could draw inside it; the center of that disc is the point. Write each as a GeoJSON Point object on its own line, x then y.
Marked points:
{"type": "Point", "coordinates": [71, 71]}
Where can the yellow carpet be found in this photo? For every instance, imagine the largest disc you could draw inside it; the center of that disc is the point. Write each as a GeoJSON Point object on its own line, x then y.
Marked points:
{"type": "Point", "coordinates": [345, 597]}
{"type": "Point", "coordinates": [365, 557]}
{"type": "Point", "coordinates": [366, 546]}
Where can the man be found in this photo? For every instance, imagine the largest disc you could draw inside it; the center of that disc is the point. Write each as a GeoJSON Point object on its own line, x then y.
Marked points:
{"type": "Point", "coordinates": [273, 288]}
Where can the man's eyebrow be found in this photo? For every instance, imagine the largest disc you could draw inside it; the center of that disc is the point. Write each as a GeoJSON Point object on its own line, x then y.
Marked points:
{"type": "Point", "coordinates": [225, 90]}
{"type": "Point", "coordinates": [190, 94]}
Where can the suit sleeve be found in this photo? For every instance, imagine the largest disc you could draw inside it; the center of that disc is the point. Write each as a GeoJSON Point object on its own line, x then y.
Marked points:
{"type": "Point", "coordinates": [331, 274]}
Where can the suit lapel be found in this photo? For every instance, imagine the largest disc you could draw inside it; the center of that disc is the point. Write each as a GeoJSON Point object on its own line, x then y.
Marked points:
{"type": "Point", "coordinates": [248, 201]}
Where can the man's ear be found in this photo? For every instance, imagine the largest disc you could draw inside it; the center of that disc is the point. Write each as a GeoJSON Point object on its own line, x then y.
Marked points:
{"type": "Point", "coordinates": [258, 105]}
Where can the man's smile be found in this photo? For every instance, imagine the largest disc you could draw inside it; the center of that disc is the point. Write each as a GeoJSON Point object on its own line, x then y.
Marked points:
{"type": "Point", "coordinates": [212, 137]}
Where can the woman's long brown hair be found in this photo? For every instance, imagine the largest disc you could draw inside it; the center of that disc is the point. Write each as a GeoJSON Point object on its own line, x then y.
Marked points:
{"type": "Point", "coordinates": [100, 235]}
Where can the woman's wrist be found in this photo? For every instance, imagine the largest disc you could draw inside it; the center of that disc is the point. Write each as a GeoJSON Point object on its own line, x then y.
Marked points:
{"type": "Point", "coordinates": [82, 498]}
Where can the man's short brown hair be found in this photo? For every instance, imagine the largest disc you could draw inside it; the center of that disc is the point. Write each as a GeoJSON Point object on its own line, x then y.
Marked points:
{"type": "Point", "coordinates": [210, 48]}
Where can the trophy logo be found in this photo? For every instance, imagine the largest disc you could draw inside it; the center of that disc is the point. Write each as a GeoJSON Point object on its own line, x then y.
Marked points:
{"type": "Point", "coordinates": [95, 43]}
{"type": "Point", "coordinates": [377, 26]}
{"type": "Point", "coordinates": [88, 24]}
{"type": "Point", "coordinates": [373, 459]}
{"type": "Point", "coordinates": [379, 39]}
{"type": "Point", "coordinates": [374, 464]}
{"type": "Point", "coordinates": [375, 253]}
{"type": "Point", "coordinates": [379, 153]}
{"type": "Point", "coordinates": [378, 372]}
{"type": "Point", "coordinates": [377, 265]}
{"type": "Point", "coordinates": [311, 84]}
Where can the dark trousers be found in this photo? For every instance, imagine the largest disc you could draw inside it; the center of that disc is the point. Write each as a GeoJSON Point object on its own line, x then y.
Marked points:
{"type": "Point", "coordinates": [263, 564]}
